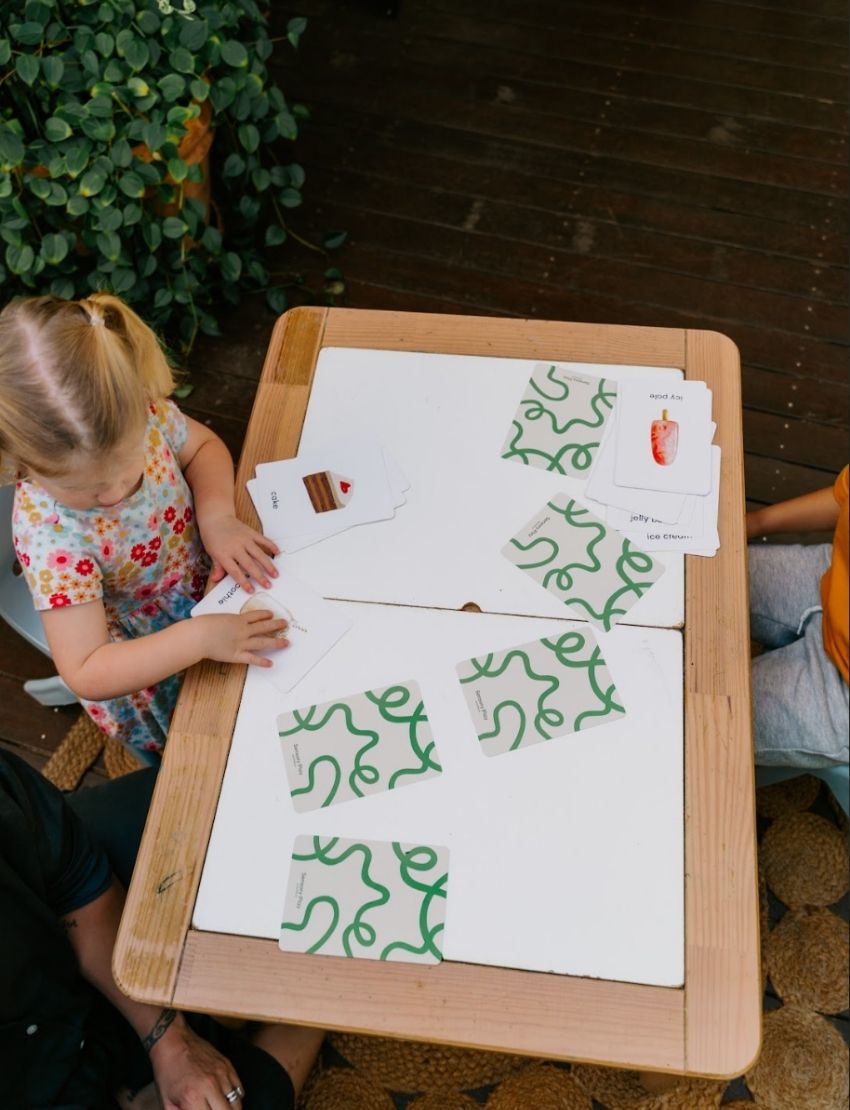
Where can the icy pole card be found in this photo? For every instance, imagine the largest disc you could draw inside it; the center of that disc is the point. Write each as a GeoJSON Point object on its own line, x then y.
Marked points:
{"type": "Point", "coordinates": [539, 691]}
{"type": "Point", "coordinates": [664, 436]}
{"type": "Point", "coordinates": [366, 899]}
{"type": "Point", "coordinates": [558, 425]}
{"type": "Point", "coordinates": [599, 573]}
{"type": "Point", "coordinates": [314, 625]}
{"type": "Point", "coordinates": [601, 487]}
{"type": "Point", "coordinates": [356, 746]}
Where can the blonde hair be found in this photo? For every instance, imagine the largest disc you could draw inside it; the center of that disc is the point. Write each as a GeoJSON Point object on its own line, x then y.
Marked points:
{"type": "Point", "coordinates": [75, 376]}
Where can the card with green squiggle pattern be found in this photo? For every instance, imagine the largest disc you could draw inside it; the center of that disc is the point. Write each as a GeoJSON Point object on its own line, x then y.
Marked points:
{"type": "Point", "coordinates": [351, 747]}
{"type": "Point", "coordinates": [539, 691]}
{"type": "Point", "coordinates": [367, 899]}
{"type": "Point", "coordinates": [559, 423]}
{"type": "Point", "coordinates": [574, 555]}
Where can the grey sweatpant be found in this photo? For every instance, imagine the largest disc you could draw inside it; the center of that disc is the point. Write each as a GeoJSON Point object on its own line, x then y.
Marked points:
{"type": "Point", "coordinates": [800, 700]}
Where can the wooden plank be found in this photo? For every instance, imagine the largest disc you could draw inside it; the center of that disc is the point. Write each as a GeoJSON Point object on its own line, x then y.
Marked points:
{"type": "Point", "coordinates": [722, 976]}
{"type": "Point", "coordinates": [168, 869]}
{"type": "Point", "coordinates": [546, 1013]}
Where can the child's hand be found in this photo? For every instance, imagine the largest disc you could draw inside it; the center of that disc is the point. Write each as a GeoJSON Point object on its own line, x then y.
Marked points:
{"type": "Point", "coordinates": [237, 637]}
{"type": "Point", "coordinates": [238, 550]}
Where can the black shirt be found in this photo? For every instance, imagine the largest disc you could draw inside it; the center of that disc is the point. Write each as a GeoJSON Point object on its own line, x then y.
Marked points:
{"type": "Point", "coordinates": [49, 867]}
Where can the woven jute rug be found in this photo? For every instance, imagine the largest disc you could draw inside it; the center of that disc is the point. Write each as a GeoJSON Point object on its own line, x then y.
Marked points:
{"type": "Point", "coordinates": [804, 1064]}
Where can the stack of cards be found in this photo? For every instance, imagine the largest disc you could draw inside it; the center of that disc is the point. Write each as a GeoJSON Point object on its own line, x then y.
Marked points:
{"type": "Point", "coordinates": [323, 491]}
{"type": "Point", "coordinates": [656, 468]}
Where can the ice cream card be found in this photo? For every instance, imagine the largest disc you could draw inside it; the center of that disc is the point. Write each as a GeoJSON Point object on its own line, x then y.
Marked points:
{"type": "Point", "coordinates": [366, 899]}
{"type": "Point", "coordinates": [356, 746]}
{"type": "Point", "coordinates": [599, 573]}
{"type": "Point", "coordinates": [664, 436]}
{"type": "Point", "coordinates": [560, 419]}
{"type": "Point", "coordinates": [314, 625]}
{"type": "Point", "coordinates": [540, 691]}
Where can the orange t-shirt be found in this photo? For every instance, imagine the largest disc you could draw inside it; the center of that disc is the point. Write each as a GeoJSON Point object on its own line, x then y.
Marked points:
{"type": "Point", "coordinates": [835, 585]}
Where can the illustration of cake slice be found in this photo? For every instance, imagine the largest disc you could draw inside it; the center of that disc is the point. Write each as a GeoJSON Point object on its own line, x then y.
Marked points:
{"type": "Point", "coordinates": [328, 491]}
{"type": "Point", "coordinates": [664, 436]}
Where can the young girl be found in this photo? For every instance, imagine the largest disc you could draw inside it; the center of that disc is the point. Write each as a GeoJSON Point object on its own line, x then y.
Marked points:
{"type": "Point", "coordinates": [798, 611]}
{"type": "Point", "coordinates": [121, 505]}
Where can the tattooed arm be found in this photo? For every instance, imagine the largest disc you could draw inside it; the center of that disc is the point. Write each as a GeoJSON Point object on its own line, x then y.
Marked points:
{"type": "Point", "coordinates": [186, 1068]}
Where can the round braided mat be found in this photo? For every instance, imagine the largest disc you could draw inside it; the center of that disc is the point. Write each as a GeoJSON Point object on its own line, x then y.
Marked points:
{"type": "Point", "coordinates": [343, 1089]}
{"type": "Point", "coordinates": [417, 1066]}
{"type": "Point", "coordinates": [623, 1090]}
{"type": "Point", "coordinates": [790, 796]}
{"type": "Point", "coordinates": [542, 1086]}
{"type": "Point", "coordinates": [764, 922]}
{"type": "Point", "coordinates": [805, 860]}
{"type": "Point", "coordinates": [808, 959]}
{"type": "Point", "coordinates": [80, 747]}
{"type": "Point", "coordinates": [804, 1063]}
{"type": "Point", "coordinates": [446, 1100]}
{"type": "Point", "coordinates": [119, 760]}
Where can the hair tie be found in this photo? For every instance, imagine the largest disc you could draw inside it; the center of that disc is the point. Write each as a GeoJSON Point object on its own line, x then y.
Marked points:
{"type": "Point", "coordinates": [96, 320]}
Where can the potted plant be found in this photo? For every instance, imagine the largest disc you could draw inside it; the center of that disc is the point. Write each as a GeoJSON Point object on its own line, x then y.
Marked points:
{"type": "Point", "coordinates": [108, 109]}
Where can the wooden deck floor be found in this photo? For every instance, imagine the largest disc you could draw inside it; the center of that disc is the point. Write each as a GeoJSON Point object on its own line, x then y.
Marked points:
{"type": "Point", "coordinates": [671, 164]}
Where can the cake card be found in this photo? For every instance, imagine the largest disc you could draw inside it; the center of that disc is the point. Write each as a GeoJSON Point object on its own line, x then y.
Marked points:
{"type": "Point", "coordinates": [559, 422]}
{"type": "Point", "coordinates": [313, 624]}
{"type": "Point", "coordinates": [664, 436]}
{"type": "Point", "coordinates": [594, 569]}
{"type": "Point", "coordinates": [352, 747]}
{"type": "Point", "coordinates": [367, 899]}
{"type": "Point", "coordinates": [539, 691]}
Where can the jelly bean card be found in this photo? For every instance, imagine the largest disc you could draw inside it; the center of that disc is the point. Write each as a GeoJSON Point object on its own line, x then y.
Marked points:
{"type": "Point", "coordinates": [559, 423]}
{"type": "Point", "coordinates": [313, 624]}
{"type": "Point", "coordinates": [355, 746]}
{"type": "Point", "coordinates": [366, 899]}
{"type": "Point", "coordinates": [664, 434]}
{"type": "Point", "coordinates": [596, 571]}
{"type": "Point", "coordinates": [539, 691]}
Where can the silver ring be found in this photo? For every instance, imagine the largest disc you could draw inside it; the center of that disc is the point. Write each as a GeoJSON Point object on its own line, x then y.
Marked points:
{"type": "Point", "coordinates": [234, 1095]}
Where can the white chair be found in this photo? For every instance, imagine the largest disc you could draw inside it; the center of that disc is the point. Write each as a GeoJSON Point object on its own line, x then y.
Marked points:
{"type": "Point", "coordinates": [16, 608]}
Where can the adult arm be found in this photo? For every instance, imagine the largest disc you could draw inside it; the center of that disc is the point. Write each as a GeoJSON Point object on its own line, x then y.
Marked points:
{"type": "Point", "coordinates": [187, 1069]}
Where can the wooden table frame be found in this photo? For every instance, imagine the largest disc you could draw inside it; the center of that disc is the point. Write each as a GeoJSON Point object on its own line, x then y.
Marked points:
{"type": "Point", "coordinates": [711, 1026]}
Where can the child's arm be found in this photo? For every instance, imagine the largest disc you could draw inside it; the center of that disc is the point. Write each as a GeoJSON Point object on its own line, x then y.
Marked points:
{"type": "Point", "coordinates": [234, 547]}
{"type": "Point", "coordinates": [97, 668]}
{"type": "Point", "coordinates": [813, 512]}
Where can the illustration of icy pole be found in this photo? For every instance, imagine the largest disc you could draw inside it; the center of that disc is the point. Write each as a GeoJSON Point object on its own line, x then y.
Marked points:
{"type": "Point", "coordinates": [664, 436]}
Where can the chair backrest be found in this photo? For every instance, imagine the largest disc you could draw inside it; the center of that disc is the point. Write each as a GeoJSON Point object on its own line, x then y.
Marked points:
{"type": "Point", "coordinates": [16, 607]}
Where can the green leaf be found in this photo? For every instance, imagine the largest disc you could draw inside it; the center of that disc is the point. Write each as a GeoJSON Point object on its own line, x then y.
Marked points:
{"type": "Point", "coordinates": [20, 259]}
{"type": "Point", "coordinates": [55, 129]}
{"type": "Point", "coordinates": [11, 149]}
{"type": "Point", "coordinates": [39, 187]}
{"type": "Point", "coordinates": [53, 249]}
{"type": "Point", "coordinates": [132, 214]}
{"type": "Point", "coordinates": [137, 54]}
{"type": "Point", "coordinates": [172, 86]}
{"type": "Point", "coordinates": [194, 34]}
{"type": "Point", "coordinates": [172, 228]}
{"type": "Point", "coordinates": [276, 299]}
{"type": "Point", "coordinates": [199, 89]}
{"type": "Point", "coordinates": [92, 182]}
{"type": "Point", "coordinates": [222, 93]}
{"type": "Point", "coordinates": [295, 29]}
{"type": "Point", "coordinates": [177, 169]}
{"type": "Point", "coordinates": [261, 178]}
{"type": "Point", "coordinates": [62, 287]}
{"type": "Point", "coordinates": [110, 219]}
{"type": "Point", "coordinates": [211, 240]}
{"type": "Point", "coordinates": [209, 325]}
{"type": "Point", "coordinates": [28, 34]}
{"type": "Point", "coordinates": [148, 22]}
{"type": "Point", "coordinates": [181, 60]}
{"type": "Point", "coordinates": [100, 130]}
{"type": "Point", "coordinates": [234, 54]}
{"type": "Point", "coordinates": [109, 245]}
{"type": "Point", "coordinates": [296, 175]}
{"type": "Point", "coordinates": [150, 264]}
{"type": "Point", "coordinates": [163, 297]}
{"type": "Point", "coordinates": [138, 86]}
{"type": "Point", "coordinates": [183, 391]}
{"type": "Point", "coordinates": [234, 166]}
{"type": "Point", "coordinates": [5, 51]}
{"type": "Point", "coordinates": [231, 266]}
{"type": "Point", "coordinates": [249, 207]}
{"type": "Point", "coordinates": [77, 157]}
{"type": "Point", "coordinates": [121, 154]}
{"type": "Point", "coordinates": [289, 198]}
{"type": "Point", "coordinates": [334, 239]}
{"type": "Point", "coordinates": [275, 235]}
{"type": "Point", "coordinates": [123, 279]}
{"type": "Point", "coordinates": [104, 43]}
{"type": "Point", "coordinates": [26, 67]}
{"type": "Point", "coordinates": [52, 68]}
{"type": "Point", "coordinates": [100, 106]}
{"type": "Point", "coordinates": [58, 194]}
{"type": "Point", "coordinates": [249, 137]}
{"type": "Point", "coordinates": [154, 136]}
{"type": "Point", "coordinates": [115, 72]}
{"type": "Point", "coordinates": [77, 206]}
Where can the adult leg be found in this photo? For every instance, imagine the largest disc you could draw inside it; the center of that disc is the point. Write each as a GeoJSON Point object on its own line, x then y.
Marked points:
{"type": "Point", "coordinates": [800, 704]}
{"type": "Point", "coordinates": [784, 584]}
{"type": "Point", "coordinates": [114, 814]}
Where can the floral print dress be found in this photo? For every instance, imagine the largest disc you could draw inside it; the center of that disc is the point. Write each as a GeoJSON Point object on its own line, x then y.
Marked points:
{"type": "Point", "coordinates": [142, 557]}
